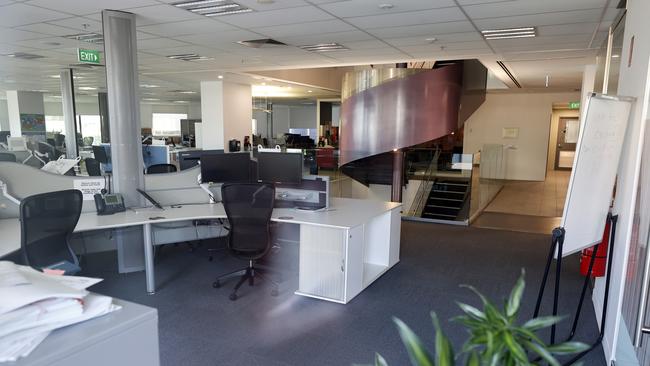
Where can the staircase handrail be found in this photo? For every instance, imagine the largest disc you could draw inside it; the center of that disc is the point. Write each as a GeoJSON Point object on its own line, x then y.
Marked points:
{"type": "Point", "coordinates": [425, 185]}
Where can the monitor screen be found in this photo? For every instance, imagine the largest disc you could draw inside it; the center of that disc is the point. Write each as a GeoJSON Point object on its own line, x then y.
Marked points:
{"type": "Point", "coordinates": [279, 167]}
{"type": "Point", "coordinates": [225, 168]}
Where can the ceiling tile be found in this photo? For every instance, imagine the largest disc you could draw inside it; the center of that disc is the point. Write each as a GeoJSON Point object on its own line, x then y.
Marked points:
{"type": "Point", "coordinates": [442, 38]}
{"type": "Point", "coordinates": [576, 28]}
{"type": "Point", "coordinates": [81, 24]}
{"type": "Point", "coordinates": [473, 2]}
{"type": "Point", "coordinates": [424, 30]}
{"type": "Point", "coordinates": [338, 37]}
{"type": "Point", "coordinates": [153, 43]}
{"type": "Point", "coordinates": [468, 46]}
{"type": "Point", "coordinates": [568, 17]}
{"type": "Point", "coordinates": [47, 29]}
{"type": "Point", "coordinates": [524, 7]}
{"type": "Point", "coordinates": [77, 7]}
{"type": "Point", "coordinates": [162, 14]}
{"type": "Point", "coordinates": [370, 44]}
{"type": "Point", "coordinates": [408, 18]}
{"type": "Point", "coordinates": [20, 14]}
{"type": "Point", "coordinates": [355, 8]}
{"type": "Point", "coordinates": [325, 26]}
{"type": "Point", "coordinates": [278, 4]}
{"type": "Point", "coordinates": [196, 26]}
{"type": "Point", "coordinates": [10, 35]}
{"type": "Point", "coordinates": [215, 39]}
{"type": "Point", "coordinates": [277, 17]}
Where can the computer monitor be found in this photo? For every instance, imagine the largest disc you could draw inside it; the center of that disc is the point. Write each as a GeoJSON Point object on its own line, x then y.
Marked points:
{"type": "Point", "coordinates": [279, 167]}
{"type": "Point", "coordinates": [225, 168]}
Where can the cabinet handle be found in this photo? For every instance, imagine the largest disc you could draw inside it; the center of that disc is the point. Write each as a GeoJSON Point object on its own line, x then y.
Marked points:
{"type": "Point", "coordinates": [343, 265]}
{"type": "Point", "coordinates": [641, 327]}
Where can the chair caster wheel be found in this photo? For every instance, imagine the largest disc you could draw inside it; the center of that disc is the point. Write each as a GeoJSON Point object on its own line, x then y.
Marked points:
{"type": "Point", "coordinates": [274, 292]}
{"type": "Point", "coordinates": [232, 297]}
{"type": "Point", "coordinates": [216, 284]}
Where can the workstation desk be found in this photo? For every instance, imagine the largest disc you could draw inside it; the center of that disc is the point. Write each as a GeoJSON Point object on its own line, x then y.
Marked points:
{"type": "Point", "coordinates": [342, 250]}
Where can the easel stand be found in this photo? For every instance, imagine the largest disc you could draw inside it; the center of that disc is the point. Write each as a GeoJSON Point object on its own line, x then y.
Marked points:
{"type": "Point", "coordinates": [557, 243]}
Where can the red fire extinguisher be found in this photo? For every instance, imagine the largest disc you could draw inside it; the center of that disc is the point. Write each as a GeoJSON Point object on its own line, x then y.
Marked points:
{"type": "Point", "coordinates": [600, 262]}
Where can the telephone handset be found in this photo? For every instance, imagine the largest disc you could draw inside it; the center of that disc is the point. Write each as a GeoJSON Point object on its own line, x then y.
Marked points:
{"type": "Point", "coordinates": [108, 204]}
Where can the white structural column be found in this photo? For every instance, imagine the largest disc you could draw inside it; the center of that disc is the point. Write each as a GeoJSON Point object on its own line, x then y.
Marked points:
{"type": "Point", "coordinates": [23, 102]}
{"type": "Point", "coordinates": [122, 84]}
{"type": "Point", "coordinates": [226, 113]}
{"type": "Point", "coordinates": [124, 103]}
{"type": "Point", "coordinates": [69, 114]}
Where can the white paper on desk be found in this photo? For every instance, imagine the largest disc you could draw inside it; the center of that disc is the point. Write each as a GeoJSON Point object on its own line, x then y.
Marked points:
{"type": "Point", "coordinates": [75, 282]}
{"type": "Point", "coordinates": [21, 349]}
{"type": "Point", "coordinates": [10, 276]}
{"type": "Point", "coordinates": [15, 343]}
{"type": "Point", "coordinates": [40, 287]}
{"type": "Point", "coordinates": [40, 313]}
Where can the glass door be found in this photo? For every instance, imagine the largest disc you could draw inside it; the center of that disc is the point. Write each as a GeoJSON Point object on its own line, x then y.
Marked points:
{"type": "Point", "coordinates": [567, 138]}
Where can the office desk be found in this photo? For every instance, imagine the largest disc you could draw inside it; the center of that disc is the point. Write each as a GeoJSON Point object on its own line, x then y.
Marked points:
{"type": "Point", "coordinates": [342, 250]}
{"type": "Point", "coordinates": [128, 336]}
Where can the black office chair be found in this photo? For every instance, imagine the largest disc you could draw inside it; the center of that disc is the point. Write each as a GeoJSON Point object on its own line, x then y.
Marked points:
{"type": "Point", "coordinates": [92, 167]}
{"type": "Point", "coordinates": [160, 168]}
{"type": "Point", "coordinates": [47, 221]}
{"type": "Point", "coordinates": [100, 154]}
{"type": "Point", "coordinates": [8, 157]}
{"type": "Point", "coordinates": [249, 207]}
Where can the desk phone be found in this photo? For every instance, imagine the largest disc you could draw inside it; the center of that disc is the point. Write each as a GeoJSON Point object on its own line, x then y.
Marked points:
{"type": "Point", "coordinates": [108, 204]}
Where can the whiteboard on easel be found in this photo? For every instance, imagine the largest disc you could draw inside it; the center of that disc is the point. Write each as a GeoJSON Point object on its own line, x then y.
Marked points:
{"type": "Point", "coordinates": [598, 152]}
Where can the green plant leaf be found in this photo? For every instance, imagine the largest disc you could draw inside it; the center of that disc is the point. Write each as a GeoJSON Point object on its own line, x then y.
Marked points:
{"type": "Point", "coordinates": [444, 352]}
{"type": "Point", "coordinates": [472, 311]}
{"type": "Point", "coordinates": [567, 348]}
{"type": "Point", "coordinates": [543, 353]}
{"type": "Point", "coordinates": [515, 348]}
{"type": "Point", "coordinates": [542, 322]}
{"type": "Point", "coordinates": [512, 306]}
{"type": "Point", "coordinates": [417, 353]}
{"type": "Point", "coordinates": [473, 359]}
{"type": "Point", "coordinates": [380, 361]}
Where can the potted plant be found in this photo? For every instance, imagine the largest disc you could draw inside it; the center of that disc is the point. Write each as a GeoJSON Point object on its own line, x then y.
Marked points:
{"type": "Point", "coordinates": [495, 337]}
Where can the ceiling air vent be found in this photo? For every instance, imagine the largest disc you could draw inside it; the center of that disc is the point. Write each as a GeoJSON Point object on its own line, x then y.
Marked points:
{"type": "Point", "coordinates": [87, 37]}
{"type": "Point", "coordinates": [259, 43]}
{"type": "Point", "coordinates": [23, 55]}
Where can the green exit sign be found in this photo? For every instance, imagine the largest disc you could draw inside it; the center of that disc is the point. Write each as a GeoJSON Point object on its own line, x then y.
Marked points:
{"type": "Point", "coordinates": [574, 105]}
{"type": "Point", "coordinates": [88, 56]}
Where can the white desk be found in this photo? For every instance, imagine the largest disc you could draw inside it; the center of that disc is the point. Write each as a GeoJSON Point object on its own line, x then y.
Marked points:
{"type": "Point", "coordinates": [342, 250]}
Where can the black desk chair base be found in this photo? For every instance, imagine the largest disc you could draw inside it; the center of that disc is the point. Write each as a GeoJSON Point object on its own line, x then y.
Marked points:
{"type": "Point", "coordinates": [247, 274]}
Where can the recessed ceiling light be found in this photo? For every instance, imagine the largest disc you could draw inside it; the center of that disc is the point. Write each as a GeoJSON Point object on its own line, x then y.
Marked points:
{"type": "Point", "coordinates": [309, 91]}
{"type": "Point", "coordinates": [211, 8]}
{"type": "Point", "coordinates": [263, 83]}
{"type": "Point", "coordinates": [386, 6]}
{"type": "Point", "coordinates": [180, 101]}
{"type": "Point", "coordinates": [431, 39]}
{"type": "Point", "coordinates": [507, 33]}
{"type": "Point", "coordinates": [616, 56]}
{"type": "Point", "coordinates": [87, 88]}
{"type": "Point", "coordinates": [150, 99]}
{"type": "Point", "coordinates": [148, 86]}
{"type": "Point", "coordinates": [189, 57]}
{"type": "Point", "coordinates": [220, 76]}
{"type": "Point", "coordinates": [55, 76]}
{"type": "Point", "coordinates": [87, 37]}
{"type": "Point", "coordinates": [324, 47]}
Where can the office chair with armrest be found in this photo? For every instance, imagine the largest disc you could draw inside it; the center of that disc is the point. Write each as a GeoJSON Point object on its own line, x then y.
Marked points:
{"type": "Point", "coordinates": [100, 154]}
{"type": "Point", "coordinates": [160, 168]}
{"type": "Point", "coordinates": [8, 157]}
{"type": "Point", "coordinates": [47, 221]}
{"type": "Point", "coordinates": [92, 167]}
{"type": "Point", "coordinates": [248, 207]}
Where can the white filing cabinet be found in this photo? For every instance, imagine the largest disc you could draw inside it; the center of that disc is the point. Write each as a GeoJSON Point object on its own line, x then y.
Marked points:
{"type": "Point", "coordinates": [336, 264]}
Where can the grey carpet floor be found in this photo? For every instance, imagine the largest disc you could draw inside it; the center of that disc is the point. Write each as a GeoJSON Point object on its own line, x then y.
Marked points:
{"type": "Point", "coordinates": [198, 325]}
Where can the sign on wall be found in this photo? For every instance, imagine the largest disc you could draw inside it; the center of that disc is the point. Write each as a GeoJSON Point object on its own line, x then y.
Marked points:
{"type": "Point", "coordinates": [88, 56]}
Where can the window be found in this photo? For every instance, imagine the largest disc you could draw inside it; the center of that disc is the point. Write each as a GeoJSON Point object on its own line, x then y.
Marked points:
{"type": "Point", "coordinates": [54, 124]}
{"type": "Point", "coordinates": [90, 127]}
{"type": "Point", "coordinates": [167, 124]}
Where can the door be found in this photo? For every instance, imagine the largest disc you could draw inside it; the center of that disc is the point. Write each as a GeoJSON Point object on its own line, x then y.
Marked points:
{"type": "Point", "coordinates": [567, 137]}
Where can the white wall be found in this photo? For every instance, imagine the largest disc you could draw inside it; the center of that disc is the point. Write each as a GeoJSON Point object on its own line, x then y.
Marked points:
{"type": "Point", "coordinates": [237, 112]}
{"type": "Point", "coordinates": [303, 117]}
{"type": "Point", "coordinates": [531, 113]}
{"type": "Point", "coordinates": [281, 119]}
{"type": "Point", "coordinates": [4, 116]}
{"type": "Point", "coordinates": [633, 81]}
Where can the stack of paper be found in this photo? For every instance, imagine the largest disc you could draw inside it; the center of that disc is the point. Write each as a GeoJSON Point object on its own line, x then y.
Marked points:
{"type": "Point", "coordinates": [32, 304]}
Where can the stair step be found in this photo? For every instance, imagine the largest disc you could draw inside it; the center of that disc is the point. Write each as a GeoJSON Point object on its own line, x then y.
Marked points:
{"type": "Point", "coordinates": [437, 214]}
{"type": "Point", "coordinates": [441, 191]}
{"type": "Point", "coordinates": [453, 184]}
{"type": "Point", "coordinates": [448, 207]}
{"type": "Point", "coordinates": [445, 199]}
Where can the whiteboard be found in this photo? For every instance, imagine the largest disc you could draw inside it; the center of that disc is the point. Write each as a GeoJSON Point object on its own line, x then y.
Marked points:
{"type": "Point", "coordinates": [598, 151]}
